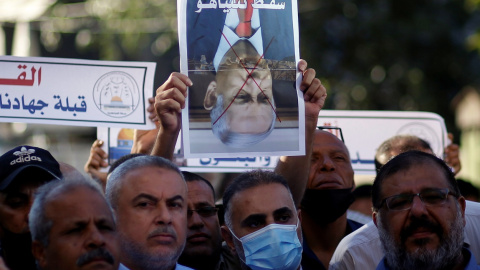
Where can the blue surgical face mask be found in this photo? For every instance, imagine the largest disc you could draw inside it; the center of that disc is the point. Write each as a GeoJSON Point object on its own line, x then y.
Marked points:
{"type": "Point", "coordinates": [275, 246]}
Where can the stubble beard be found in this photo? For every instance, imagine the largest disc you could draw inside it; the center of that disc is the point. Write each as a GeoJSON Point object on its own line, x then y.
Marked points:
{"type": "Point", "coordinates": [142, 258]}
{"type": "Point", "coordinates": [445, 256]}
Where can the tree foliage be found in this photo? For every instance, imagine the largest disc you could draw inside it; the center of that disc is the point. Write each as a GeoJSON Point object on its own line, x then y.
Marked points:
{"type": "Point", "coordinates": [391, 55]}
{"type": "Point", "coordinates": [371, 55]}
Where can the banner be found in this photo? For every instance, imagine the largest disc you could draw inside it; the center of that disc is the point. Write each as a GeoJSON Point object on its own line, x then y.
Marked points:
{"type": "Point", "coordinates": [363, 132]}
{"type": "Point", "coordinates": [75, 92]}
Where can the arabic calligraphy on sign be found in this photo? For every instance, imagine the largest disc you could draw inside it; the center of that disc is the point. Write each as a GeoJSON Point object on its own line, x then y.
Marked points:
{"type": "Point", "coordinates": [249, 161]}
{"type": "Point", "coordinates": [22, 77]}
{"type": "Point", "coordinates": [227, 5]}
{"type": "Point", "coordinates": [116, 94]}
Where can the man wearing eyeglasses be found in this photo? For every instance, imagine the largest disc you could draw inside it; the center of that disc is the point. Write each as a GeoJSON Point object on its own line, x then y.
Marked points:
{"type": "Point", "coordinates": [203, 248]}
{"type": "Point", "coordinates": [362, 248]}
{"type": "Point", "coordinates": [420, 215]}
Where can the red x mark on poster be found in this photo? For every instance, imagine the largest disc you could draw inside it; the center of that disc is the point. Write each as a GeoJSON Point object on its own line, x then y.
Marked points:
{"type": "Point", "coordinates": [248, 77]}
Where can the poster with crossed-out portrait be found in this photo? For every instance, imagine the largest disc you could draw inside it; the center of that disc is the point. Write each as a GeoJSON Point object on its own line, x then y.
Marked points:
{"type": "Point", "coordinates": [241, 56]}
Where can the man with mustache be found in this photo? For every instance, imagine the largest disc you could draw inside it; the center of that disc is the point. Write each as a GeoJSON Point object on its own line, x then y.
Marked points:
{"type": "Point", "coordinates": [73, 227]}
{"type": "Point", "coordinates": [362, 248]}
{"type": "Point", "coordinates": [203, 249]}
{"type": "Point", "coordinates": [420, 214]}
{"type": "Point", "coordinates": [22, 170]}
{"type": "Point", "coordinates": [148, 195]}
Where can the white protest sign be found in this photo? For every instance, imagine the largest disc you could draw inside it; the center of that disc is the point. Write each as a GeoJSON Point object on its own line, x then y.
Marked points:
{"type": "Point", "coordinates": [363, 132]}
{"type": "Point", "coordinates": [75, 92]}
{"type": "Point", "coordinates": [119, 141]}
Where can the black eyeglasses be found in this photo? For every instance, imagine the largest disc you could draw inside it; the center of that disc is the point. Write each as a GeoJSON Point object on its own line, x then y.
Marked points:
{"type": "Point", "coordinates": [335, 128]}
{"type": "Point", "coordinates": [430, 197]}
{"type": "Point", "coordinates": [206, 211]}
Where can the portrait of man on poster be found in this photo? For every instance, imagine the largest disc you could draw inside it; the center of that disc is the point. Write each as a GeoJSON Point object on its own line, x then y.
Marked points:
{"type": "Point", "coordinates": [242, 61]}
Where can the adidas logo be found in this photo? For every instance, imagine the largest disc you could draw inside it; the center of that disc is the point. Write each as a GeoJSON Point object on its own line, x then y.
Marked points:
{"type": "Point", "coordinates": [24, 155]}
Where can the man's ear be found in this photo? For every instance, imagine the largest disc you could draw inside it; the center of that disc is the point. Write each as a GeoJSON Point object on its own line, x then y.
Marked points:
{"type": "Point", "coordinates": [374, 217]}
{"type": "Point", "coordinates": [210, 96]}
{"type": "Point", "coordinates": [38, 251]}
{"type": "Point", "coordinates": [228, 238]}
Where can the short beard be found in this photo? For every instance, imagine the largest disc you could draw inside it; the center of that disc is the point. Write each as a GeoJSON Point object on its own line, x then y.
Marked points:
{"type": "Point", "coordinates": [444, 257]}
{"type": "Point", "coordinates": [142, 259]}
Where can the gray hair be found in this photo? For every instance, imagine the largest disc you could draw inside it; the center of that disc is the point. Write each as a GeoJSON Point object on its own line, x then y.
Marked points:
{"type": "Point", "coordinates": [399, 143]}
{"type": "Point", "coordinates": [221, 129]}
{"type": "Point", "coordinates": [38, 222]}
{"type": "Point", "coordinates": [115, 180]}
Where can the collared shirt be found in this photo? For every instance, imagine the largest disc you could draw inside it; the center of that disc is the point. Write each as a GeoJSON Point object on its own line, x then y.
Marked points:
{"type": "Point", "coordinates": [177, 267]}
{"type": "Point", "coordinates": [362, 249]}
{"type": "Point", "coordinates": [229, 37]}
{"type": "Point", "coordinates": [310, 260]}
{"type": "Point", "coordinates": [472, 263]}
{"type": "Point", "coordinates": [358, 217]}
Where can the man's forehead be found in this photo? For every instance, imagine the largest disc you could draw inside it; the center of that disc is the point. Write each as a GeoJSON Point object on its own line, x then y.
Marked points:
{"type": "Point", "coordinates": [262, 199]}
{"type": "Point", "coordinates": [197, 189]}
{"type": "Point", "coordinates": [24, 186]}
{"type": "Point", "coordinates": [423, 174]}
{"type": "Point", "coordinates": [325, 138]}
{"type": "Point", "coordinates": [162, 177]}
{"type": "Point", "coordinates": [95, 205]}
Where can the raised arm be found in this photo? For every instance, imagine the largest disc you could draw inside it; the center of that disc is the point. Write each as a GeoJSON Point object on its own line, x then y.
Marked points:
{"type": "Point", "coordinates": [452, 155]}
{"type": "Point", "coordinates": [96, 161]}
{"type": "Point", "coordinates": [169, 102]}
{"type": "Point", "coordinates": [295, 168]}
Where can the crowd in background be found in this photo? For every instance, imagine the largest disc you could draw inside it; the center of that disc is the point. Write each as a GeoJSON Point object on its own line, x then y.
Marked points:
{"type": "Point", "coordinates": [306, 214]}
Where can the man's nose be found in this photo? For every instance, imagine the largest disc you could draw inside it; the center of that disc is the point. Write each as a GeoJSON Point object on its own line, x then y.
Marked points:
{"type": "Point", "coordinates": [418, 207]}
{"type": "Point", "coordinates": [163, 215]}
{"type": "Point", "coordinates": [326, 164]}
{"type": "Point", "coordinates": [95, 238]}
{"type": "Point", "coordinates": [194, 220]}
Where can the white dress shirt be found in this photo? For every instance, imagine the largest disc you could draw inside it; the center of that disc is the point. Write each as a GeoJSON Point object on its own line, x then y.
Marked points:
{"type": "Point", "coordinates": [231, 23]}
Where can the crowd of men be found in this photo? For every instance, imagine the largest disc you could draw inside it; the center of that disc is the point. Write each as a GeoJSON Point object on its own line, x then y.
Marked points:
{"type": "Point", "coordinates": [147, 214]}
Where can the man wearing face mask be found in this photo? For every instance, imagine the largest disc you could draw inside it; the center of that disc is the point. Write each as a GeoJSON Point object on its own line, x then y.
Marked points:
{"type": "Point", "coordinates": [328, 195]}
{"type": "Point", "coordinates": [261, 222]}
{"type": "Point", "coordinates": [326, 200]}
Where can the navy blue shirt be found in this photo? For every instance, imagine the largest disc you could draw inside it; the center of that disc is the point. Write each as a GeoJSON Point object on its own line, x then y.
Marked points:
{"type": "Point", "coordinates": [310, 260]}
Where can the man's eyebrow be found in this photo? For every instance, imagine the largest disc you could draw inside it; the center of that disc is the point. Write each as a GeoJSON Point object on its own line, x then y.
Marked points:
{"type": "Point", "coordinates": [242, 91]}
{"type": "Point", "coordinates": [338, 151]}
{"type": "Point", "coordinates": [105, 221]}
{"type": "Point", "coordinates": [145, 196]}
{"type": "Point", "coordinates": [283, 210]}
{"type": "Point", "coordinates": [202, 203]}
{"type": "Point", "coordinates": [174, 198]}
{"type": "Point", "coordinates": [73, 225]}
{"type": "Point", "coordinates": [253, 218]}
